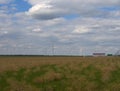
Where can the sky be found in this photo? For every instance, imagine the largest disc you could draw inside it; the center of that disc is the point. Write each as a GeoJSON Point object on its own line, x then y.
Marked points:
{"type": "Point", "coordinates": [59, 27]}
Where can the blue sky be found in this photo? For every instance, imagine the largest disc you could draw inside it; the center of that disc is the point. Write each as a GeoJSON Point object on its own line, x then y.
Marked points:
{"type": "Point", "coordinates": [21, 5]}
{"type": "Point", "coordinates": [112, 8]}
{"type": "Point", "coordinates": [71, 28]}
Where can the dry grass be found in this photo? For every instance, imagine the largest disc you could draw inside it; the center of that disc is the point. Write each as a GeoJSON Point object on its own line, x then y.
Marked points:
{"type": "Point", "coordinates": [59, 73]}
{"type": "Point", "coordinates": [49, 76]}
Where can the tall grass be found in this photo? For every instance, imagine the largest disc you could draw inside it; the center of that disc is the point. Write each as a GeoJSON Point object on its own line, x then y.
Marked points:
{"type": "Point", "coordinates": [60, 74]}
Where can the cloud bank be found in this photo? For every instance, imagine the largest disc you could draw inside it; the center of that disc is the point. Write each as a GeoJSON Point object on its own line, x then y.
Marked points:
{"type": "Point", "coordinates": [50, 9]}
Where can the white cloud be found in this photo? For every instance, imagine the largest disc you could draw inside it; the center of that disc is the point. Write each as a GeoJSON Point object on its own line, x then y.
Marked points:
{"type": "Point", "coordinates": [37, 30]}
{"type": "Point", "coordinates": [115, 14]}
{"type": "Point", "coordinates": [104, 2]}
{"type": "Point", "coordinates": [81, 29]}
{"type": "Point", "coordinates": [49, 9]}
{"type": "Point", "coordinates": [45, 11]}
{"type": "Point", "coordinates": [5, 1]}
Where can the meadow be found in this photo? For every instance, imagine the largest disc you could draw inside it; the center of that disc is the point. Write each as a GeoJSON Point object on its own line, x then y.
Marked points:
{"type": "Point", "coordinates": [59, 73]}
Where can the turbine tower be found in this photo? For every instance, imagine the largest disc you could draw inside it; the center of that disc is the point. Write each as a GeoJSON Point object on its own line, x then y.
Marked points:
{"type": "Point", "coordinates": [53, 50]}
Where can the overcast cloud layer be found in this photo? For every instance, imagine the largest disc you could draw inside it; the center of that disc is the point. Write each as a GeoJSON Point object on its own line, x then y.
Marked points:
{"type": "Point", "coordinates": [70, 27]}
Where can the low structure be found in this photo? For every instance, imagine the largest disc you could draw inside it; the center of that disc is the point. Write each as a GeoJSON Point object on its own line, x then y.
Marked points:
{"type": "Point", "coordinates": [98, 54]}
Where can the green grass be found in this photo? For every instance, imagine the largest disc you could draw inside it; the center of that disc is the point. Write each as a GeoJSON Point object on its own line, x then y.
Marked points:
{"type": "Point", "coordinates": [3, 83]}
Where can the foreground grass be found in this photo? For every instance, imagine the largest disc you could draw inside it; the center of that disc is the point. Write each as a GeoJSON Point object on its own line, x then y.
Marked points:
{"type": "Point", "coordinates": [60, 74]}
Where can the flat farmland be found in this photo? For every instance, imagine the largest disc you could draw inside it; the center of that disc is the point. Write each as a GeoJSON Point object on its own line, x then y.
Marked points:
{"type": "Point", "coordinates": [34, 73]}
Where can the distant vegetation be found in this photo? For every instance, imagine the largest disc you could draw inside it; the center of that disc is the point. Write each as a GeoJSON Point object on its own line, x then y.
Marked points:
{"type": "Point", "coordinates": [59, 73]}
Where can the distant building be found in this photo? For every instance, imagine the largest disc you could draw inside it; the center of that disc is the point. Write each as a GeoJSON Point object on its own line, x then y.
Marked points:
{"type": "Point", "coordinates": [109, 54]}
{"type": "Point", "coordinates": [98, 54]}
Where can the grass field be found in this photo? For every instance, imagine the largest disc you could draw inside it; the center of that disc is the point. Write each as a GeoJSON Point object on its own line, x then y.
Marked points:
{"type": "Point", "coordinates": [59, 73]}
